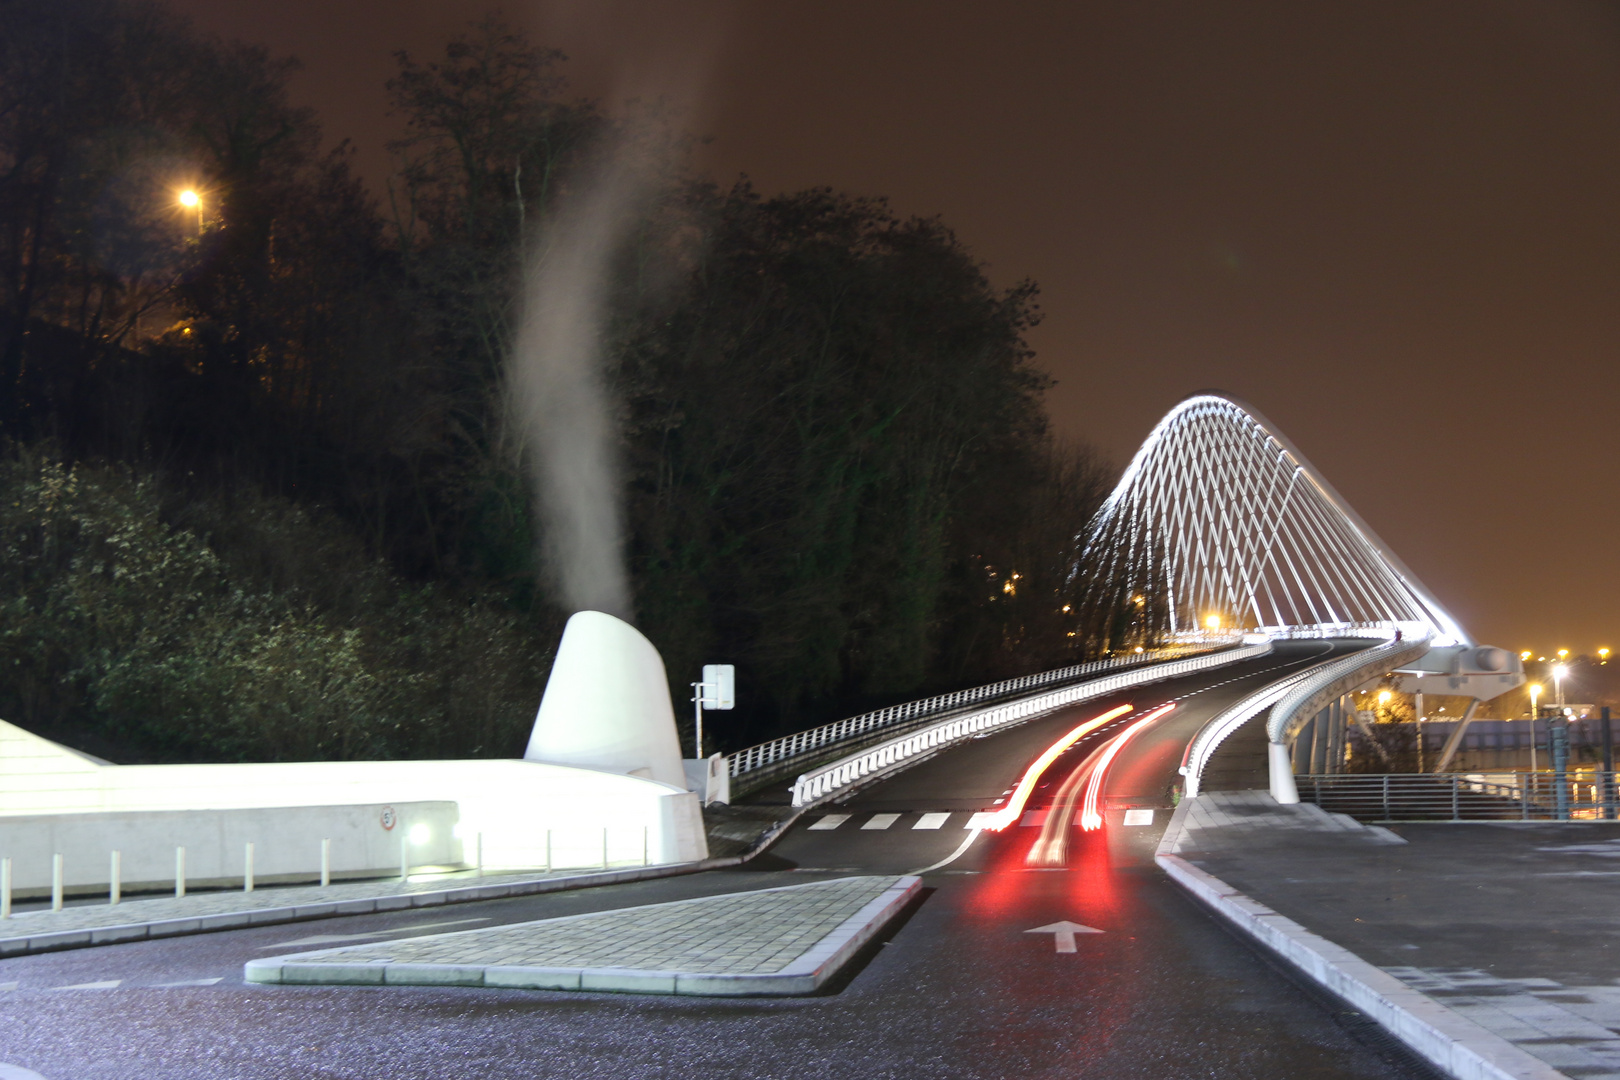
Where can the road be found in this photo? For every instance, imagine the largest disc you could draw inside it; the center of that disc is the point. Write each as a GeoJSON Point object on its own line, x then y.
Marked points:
{"type": "Point", "coordinates": [960, 989]}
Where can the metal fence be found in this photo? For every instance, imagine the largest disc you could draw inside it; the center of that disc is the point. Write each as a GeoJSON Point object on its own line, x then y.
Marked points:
{"type": "Point", "coordinates": [1585, 795]}
{"type": "Point", "coordinates": [829, 779]}
{"type": "Point", "coordinates": [783, 755]}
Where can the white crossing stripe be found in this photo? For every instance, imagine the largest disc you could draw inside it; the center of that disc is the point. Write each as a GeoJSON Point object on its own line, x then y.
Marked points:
{"type": "Point", "coordinates": [188, 982]}
{"type": "Point", "coordinates": [881, 821]}
{"type": "Point", "coordinates": [1139, 817]}
{"type": "Point", "coordinates": [931, 821]}
{"type": "Point", "coordinates": [1034, 817]}
{"type": "Point", "coordinates": [981, 820]}
{"type": "Point", "coordinates": [110, 984]}
{"type": "Point", "coordinates": [831, 821]}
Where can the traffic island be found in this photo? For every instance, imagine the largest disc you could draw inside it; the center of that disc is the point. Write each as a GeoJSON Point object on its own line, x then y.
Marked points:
{"type": "Point", "coordinates": [770, 942]}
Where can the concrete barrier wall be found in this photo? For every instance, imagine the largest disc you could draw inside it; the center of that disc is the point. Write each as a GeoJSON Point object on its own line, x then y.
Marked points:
{"type": "Point", "coordinates": [512, 803]}
{"type": "Point", "coordinates": [286, 843]}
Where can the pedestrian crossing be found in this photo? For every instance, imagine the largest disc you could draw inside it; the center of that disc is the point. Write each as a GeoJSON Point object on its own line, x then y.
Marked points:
{"type": "Point", "coordinates": [936, 819]}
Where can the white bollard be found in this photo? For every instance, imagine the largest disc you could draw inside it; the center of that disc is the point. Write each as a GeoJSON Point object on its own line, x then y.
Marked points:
{"type": "Point", "coordinates": [179, 872]}
{"type": "Point", "coordinates": [247, 867]}
{"type": "Point", "coordinates": [548, 851]}
{"type": "Point", "coordinates": [404, 856]}
{"type": "Point", "coordinates": [5, 888]}
{"type": "Point", "coordinates": [479, 840]}
{"type": "Point", "coordinates": [326, 863]}
{"type": "Point", "coordinates": [56, 883]}
{"type": "Point", "coordinates": [115, 878]}
{"type": "Point", "coordinates": [644, 845]}
{"type": "Point", "coordinates": [604, 848]}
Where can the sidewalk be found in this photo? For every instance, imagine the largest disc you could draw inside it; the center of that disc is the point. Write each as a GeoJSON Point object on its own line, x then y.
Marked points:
{"type": "Point", "coordinates": [84, 925]}
{"type": "Point", "coordinates": [786, 940]}
{"type": "Point", "coordinates": [1498, 943]}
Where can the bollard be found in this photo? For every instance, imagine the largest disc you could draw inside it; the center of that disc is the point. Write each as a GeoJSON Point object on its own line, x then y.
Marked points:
{"type": "Point", "coordinates": [326, 863]}
{"type": "Point", "coordinates": [5, 888]}
{"type": "Point", "coordinates": [644, 845]}
{"type": "Point", "coordinates": [115, 878]}
{"type": "Point", "coordinates": [56, 883]}
{"type": "Point", "coordinates": [548, 851]}
{"type": "Point", "coordinates": [604, 848]}
{"type": "Point", "coordinates": [179, 872]}
{"type": "Point", "coordinates": [404, 856]}
{"type": "Point", "coordinates": [247, 867]}
{"type": "Point", "coordinates": [479, 840]}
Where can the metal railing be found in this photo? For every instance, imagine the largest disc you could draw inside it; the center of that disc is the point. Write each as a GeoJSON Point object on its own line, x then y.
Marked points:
{"type": "Point", "coordinates": [1515, 796]}
{"type": "Point", "coordinates": [823, 782]}
{"type": "Point", "coordinates": [779, 755]}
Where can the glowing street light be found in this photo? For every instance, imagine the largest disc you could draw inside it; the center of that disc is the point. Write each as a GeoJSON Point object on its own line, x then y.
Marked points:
{"type": "Point", "coordinates": [1562, 653]}
{"type": "Point", "coordinates": [1603, 656]}
{"type": "Point", "coordinates": [1383, 697]}
{"type": "Point", "coordinates": [1525, 655]}
{"type": "Point", "coordinates": [1213, 622]}
{"type": "Point", "coordinates": [189, 199]}
{"type": "Point", "coordinates": [1559, 671]}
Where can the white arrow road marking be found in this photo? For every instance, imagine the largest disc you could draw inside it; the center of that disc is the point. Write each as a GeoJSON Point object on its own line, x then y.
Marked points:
{"type": "Point", "coordinates": [110, 984]}
{"type": "Point", "coordinates": [1063, 933]}
{"type": "Point", "coordinates": [188, 982]}
{"type": "Point", "coordinates": [327, 939]}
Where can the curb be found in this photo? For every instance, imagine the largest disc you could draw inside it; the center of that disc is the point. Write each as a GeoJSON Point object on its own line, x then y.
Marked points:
{"type": "Point", "coordinates": [1457, 1046]}
{"type": "Point", "coordinates": [804, 975]}
{"type": "Point", "coordinates": [52, 941]}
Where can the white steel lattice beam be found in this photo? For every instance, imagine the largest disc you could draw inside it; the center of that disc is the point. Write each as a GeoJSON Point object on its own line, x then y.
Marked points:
{"type": "Point", "coordinates": [1226, 517]}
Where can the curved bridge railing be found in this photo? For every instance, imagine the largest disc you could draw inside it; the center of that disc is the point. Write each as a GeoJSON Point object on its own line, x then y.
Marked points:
{"type": "Point", "coordinates": [758, 765]}
{"type": "Point", "coordinates": [904, 750]}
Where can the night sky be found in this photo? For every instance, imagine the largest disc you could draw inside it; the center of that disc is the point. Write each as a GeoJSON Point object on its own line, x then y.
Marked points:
{"type": "Point", "coordinates": [1392, 227]}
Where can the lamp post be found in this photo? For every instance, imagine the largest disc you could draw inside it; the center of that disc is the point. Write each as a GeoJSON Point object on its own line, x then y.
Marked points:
{"type": "Point", "coordinates": [1559, 671]}
{"type": "Point", "coordinates": [192, 201]}
{"type": "Point", "coordinates": [1535, 696]}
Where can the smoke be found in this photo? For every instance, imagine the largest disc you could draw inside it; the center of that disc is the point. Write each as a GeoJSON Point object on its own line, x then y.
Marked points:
{"type": "Point", "coordinates": [558, 396]}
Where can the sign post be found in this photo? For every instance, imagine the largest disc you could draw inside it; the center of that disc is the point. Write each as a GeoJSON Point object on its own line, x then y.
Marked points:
{"type": "Point", "coordinates": [718, 690]}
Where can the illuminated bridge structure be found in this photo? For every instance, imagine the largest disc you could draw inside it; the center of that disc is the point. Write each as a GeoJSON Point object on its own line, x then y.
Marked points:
{"type": "Point", "coordinates": [1220, 517]}
{"type": "Point", "coordinates": [1219, 521]}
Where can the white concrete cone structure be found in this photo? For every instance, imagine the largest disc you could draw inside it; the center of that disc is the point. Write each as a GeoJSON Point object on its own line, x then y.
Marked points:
{"type": "Point", "coordinates": [607, 704]}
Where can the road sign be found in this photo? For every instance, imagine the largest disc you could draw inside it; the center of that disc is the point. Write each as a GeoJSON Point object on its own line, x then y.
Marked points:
{"type": "Point", "coordinates": [719, 686]}
{"type": "Point", "coordinates": [1063, 933]}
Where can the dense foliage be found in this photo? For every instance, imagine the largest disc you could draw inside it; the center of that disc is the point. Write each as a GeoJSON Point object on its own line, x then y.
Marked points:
{"type": "Point", "coordinates": [264, 498]}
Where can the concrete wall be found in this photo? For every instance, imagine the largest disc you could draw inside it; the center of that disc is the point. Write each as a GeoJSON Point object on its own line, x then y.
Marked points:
{"type": "Point", "coordinates": [286, 844]}
{"type": "Point", "coordinates": [514, 804]}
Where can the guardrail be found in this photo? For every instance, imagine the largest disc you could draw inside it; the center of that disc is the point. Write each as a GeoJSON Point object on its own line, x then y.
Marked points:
{"type": "Point", "coordinates": [778, 755]}
{"type": "Point", "coordinates": [829, 779]}
{"type": "Point", "coordinates": [1212, 734]}
{"type": "Point", "coordinates": [1526, 796]}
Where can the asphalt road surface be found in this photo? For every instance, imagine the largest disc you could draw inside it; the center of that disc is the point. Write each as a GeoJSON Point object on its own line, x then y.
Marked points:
{"type": "Point", "coordinates": [960, 989]}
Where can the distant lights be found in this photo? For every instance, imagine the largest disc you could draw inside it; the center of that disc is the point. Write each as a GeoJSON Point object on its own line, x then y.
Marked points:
{"type": "Point", "coordinates": [1213, 622]}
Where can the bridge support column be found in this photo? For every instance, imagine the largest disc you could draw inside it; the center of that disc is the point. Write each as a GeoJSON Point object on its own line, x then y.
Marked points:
{"type": "Point", "coordinates": [1282, 774]}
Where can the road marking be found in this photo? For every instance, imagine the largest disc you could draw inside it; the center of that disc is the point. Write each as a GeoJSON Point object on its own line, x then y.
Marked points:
{"type": "Point", "coordinates": [17, 1072]}
{"type": "Point", "coordinates": [327, 939]}
{"type": "Point", "coordinates": [1063, 933]}
{"type": "Point", "coordinates": [831, 821]}
{"type": "Point", "coordinates": [1034, 818]}
{"type": "Point", "coordinates": [7, 986]}
{"type": "Point", "coordinates": [188, 982]}
{"type": "Point", "coordinates": [952, 857]}
{"type": "Point", "coordinates": [1139, 817]}
{"type": "Point", "coordinates": [931, 821]}
{"type": "Point", "coordinates": [881, 821]}
{"type": "Point", "coordinates": [984, 819]}
{"type": "Point", "coordinates": [110, 984]}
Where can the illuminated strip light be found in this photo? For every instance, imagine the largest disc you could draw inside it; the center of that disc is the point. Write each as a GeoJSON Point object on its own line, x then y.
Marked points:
{"type": "Point", "coordinates": [1032, 776]}
{"type": "Point", "coordinates": [1090, 820]}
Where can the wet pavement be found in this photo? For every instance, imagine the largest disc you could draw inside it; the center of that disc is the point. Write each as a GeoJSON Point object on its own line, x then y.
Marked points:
{"type": "Point", "coordinates": [1515, 926]}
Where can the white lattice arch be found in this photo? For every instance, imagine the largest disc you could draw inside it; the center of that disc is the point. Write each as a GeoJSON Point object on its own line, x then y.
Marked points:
{"type": "Point", "coordinates": [1225, 512]}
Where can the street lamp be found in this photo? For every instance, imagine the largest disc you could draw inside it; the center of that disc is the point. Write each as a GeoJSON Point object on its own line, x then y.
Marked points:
{"type": "Point", "coordinates": [1535, 695]}
{"type": "Point", "coordinates": [1559, 671]}
{"type": "Point", "coordinates": [1213, 622]}
{"type": "Point", "coordinates": [192, 201]}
